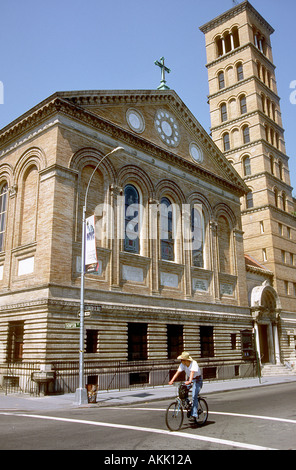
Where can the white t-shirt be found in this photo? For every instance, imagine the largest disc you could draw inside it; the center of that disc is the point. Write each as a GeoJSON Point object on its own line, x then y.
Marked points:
{"type": "Point", "coordinates": [192, 367]}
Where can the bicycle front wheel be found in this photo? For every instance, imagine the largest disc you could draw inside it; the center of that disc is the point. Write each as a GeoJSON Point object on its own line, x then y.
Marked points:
{"type": "Point", "coordinates": [202, 412]}
{"type": "Point", "coordinates": [174, 416]}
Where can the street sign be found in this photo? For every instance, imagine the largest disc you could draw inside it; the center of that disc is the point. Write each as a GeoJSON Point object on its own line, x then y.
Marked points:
{"type": "Point", "coordinates": [86, 313]}
{"type": "Point", "coordinates": [68, 326]}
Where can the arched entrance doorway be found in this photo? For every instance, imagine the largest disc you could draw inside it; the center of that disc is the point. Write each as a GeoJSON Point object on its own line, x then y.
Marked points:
{"type": "Point", "coordinates": [266, 309]}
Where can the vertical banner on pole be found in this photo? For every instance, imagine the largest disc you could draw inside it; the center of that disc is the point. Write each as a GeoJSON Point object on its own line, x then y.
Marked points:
{"type": "Point", "coordinates": [91, 260]}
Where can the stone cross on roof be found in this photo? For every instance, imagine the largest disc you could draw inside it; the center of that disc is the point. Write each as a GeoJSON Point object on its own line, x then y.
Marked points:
{"type": "Point", "coordinates": [160, 63]}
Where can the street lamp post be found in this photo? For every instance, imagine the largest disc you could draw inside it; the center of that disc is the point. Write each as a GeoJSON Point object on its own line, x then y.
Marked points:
{"type": "Point", "coordinates": [81, 392]}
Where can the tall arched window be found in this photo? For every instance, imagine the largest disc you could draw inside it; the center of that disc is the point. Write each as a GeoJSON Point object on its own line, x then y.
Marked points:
{"type": "Point", "coordinates": [272, 136]}
{"type": "Point", "coordinates": [281, 169]}
{"type": "Point", "coordinates": [131, 217]}
{"type": "Point", "coordinates": [223, 110]}
{"type": "Point", "coordinates": [221, 80]}
{"type": "Point", "coordinates": [263, 102]}
{"type": "Point", "coordinates": [167, 248]}
{"type": "Point", "coordinates": [284, 201]}
{"type": "Point", "coordinates": [3, 212]}
{"type": "Point", "coordinates": [246, 134]}
{"type": "Point", "coordinates": [249, 200]}
{"type": "Point", "coordinates": [276, 197]}
{"type": "Point", "coordinates": [243, 104]}
{"type": "Point", "coordinates": [271, 164]}
{"type": "Point", "coordinates": [240, 72]}
{"type": "Point", "coordinates": [197, 229]}
{"type": "Point", "coordinates": [219, 46]}
{"type": "Point", "coordinates": [247, 166]}
{"type": "Point", "coordinates": [226, 142]}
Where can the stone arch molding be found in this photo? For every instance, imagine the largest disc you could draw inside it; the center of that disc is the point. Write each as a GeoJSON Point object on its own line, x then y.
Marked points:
{"type": "Point", "coordinates": [91, 156]}
{"type": "Point", "coordinates": [260, 293]}
{"type": "Point", "coordinates": [32, 157]}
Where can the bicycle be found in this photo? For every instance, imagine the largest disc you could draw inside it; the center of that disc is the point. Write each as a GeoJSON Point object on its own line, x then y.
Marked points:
{"type": "Point", "coordinates": [175, 411]}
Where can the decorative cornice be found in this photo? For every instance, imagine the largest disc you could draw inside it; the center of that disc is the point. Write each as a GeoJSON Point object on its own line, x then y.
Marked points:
{"type": "Point", "coordinates": [268, 175]}
{"type": "Point", "coordinates": [234, 12]}
{"type": "Point", "coordinates": [272, 149]}
{"type": "Point", "coordinates": [243, 82]}
{"type": "Point", "coordinates": [271, 208]}
{"type": "Point", "coordinates": [63, 103]}
{"type": "Point", "coordinates": [99, 308]}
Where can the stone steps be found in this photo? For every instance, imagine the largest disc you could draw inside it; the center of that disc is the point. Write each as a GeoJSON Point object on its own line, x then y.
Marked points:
{"type": "Point", "coordinates": [270, 370]}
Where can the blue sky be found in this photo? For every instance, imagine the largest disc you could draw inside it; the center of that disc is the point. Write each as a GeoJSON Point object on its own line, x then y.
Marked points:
{"type": "Point", "coordinates": [58, 45]}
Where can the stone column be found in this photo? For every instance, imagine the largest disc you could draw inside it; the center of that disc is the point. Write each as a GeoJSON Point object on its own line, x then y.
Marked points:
{"type": "Point", "coordinates": [215, 258]}
{"type": "Point", "coordinates": [117, 234]}
{"type": "Point", "coordinates": [276, 344]}
{"type": "Point", "coordinates": [223, 46]}
{"type": "Point", "coordinates": [271, 344]}
{"type": "Point", "coordinates": [154, 244]}
{"type": "Point", "coordinates": [257, 340]}
{"type": "Point", "coordinates": [231, 41]}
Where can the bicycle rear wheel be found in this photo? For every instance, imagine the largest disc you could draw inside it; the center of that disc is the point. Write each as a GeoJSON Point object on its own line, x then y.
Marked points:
{"type": "Point", "coordinates": [202, 412]}
{"type": "Point", "coordinates": [174, 416]}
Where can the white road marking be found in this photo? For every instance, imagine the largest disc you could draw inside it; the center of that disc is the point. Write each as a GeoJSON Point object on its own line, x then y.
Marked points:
{"type": "Point", "coordinates": [268, 418]}
{"type": "Point", "coordinates": [213, 440]}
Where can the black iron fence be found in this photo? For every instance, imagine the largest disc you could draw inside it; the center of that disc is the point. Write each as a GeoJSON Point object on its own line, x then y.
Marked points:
{"type": "Point", "coordinates": [114, 375]}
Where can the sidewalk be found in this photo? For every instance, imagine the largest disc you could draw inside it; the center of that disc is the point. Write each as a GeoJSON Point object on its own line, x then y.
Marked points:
{"type": "Point", "coordinates": [24, 403]}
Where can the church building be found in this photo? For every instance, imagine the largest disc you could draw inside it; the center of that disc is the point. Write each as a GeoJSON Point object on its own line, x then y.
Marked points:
{"type": "Point", "coordinates": [177, 262]}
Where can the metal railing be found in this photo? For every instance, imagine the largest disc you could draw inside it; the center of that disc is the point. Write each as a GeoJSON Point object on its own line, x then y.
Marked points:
{"type": "Point", "coordinates": [115, 375]}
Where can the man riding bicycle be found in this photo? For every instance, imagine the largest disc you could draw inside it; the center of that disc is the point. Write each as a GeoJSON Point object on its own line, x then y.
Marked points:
{"type": "Point", "coordinates": [194, 376]}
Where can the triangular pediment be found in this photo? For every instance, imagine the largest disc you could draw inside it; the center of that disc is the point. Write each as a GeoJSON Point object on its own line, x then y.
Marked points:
{"type": "Point", "coordinates": [161, 118]}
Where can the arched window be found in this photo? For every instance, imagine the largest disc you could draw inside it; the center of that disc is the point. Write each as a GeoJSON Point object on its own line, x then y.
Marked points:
{"type": "Point", "coordinates": [273, 111]}
{"type": "Point", "coordinates": [276, 197]}
{"type": "Point", "coordinates": [223, 110]}
{"type": "Point", "coordinates": [227, 42]}
{"type": "Point", "coordinates": [258, 69]}
{"type": "Point", "coordinates": [197, 228]}
{"type": "Point", "coordinates": [272, 136]}
{"type": "Point", "coordinates": [221, 80]}
{"type": "Point", "coordinates": [266, 133]}
{"type": "Point", "coordinates": [240, 72]}
{"type": "Point", "coordinates": [271, 164]}
{"type": "Point", "coordinates": [243, 104]}
{"type": "Point", "coordinates": [263, 102]}
{"type": "Point", "coordinates": [281, 169]}
{"type": "Point", "coordinates": [246, 134]}
{"type": "Point", "coordinates": [3, 212]}
{"type": "Point", "coordinates": [268, 106]}
{"type": "Point", "coordinates": [235, 35]}
{"type": "Point", "coordinates": [167, 247]}
{"type": "Point", "coordinates": [268, 80]}
{"type": "Point", "coordinates": [247, 166]}
{"type": "Point", "coordinates": [284, 201]}
{"type": "Point", "coordinates": [263, 74]}
{"type": "Point", "coordinates": [249, 200]}
{"type": "Point", "coordinates": [131, 217]}
{"type": "Point", "coordinates": [219, 46]}
{"type": "Point", "coordinates": [226, 142]}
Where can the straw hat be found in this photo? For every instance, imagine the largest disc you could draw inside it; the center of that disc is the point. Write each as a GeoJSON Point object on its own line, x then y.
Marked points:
{"type": "Point", "coordinates": [185, 357]}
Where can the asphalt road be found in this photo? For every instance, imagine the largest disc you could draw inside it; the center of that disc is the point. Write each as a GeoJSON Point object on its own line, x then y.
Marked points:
{"type": "Point", "coordinates": [253, 419]}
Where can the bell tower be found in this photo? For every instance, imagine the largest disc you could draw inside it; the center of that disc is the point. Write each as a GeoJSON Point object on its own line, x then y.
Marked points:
{"type": "Point", "coordinates": [246, 125]}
